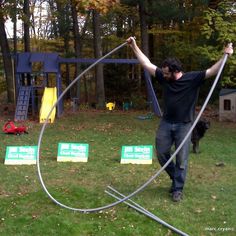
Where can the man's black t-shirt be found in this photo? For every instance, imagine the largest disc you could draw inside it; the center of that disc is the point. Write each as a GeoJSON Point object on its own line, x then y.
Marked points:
{"type": "Point", "coordinates": [180, 96]}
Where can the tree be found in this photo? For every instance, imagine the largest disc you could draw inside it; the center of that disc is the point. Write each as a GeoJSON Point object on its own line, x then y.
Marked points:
{"type": "Point", "coordinates": [143, 27]}
{"type": "Point", "coordinates": [6, 54]}
{"type": "Point", "coordinates": [219, 29]}
{"type": "Point", "coordinates": [14, 19]}
{"type": "Point", "coordinates": [53, 30]}
{"type": "Point", "coordinates": [100, 91]}
{"type": "Point", "coordinates": [64, 22]}
{"type": "Point", "coordinates": [26, 25]}
{"type": "Point", "coordinates": [98, 7]}
{"type": "Point", "coordinates": [214, 3]}
{"type": "Point", "coordinates": [77, 41]}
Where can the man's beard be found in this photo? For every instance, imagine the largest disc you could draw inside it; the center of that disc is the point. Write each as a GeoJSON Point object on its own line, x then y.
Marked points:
{"type": "Point", "coordinates": [172, 78]}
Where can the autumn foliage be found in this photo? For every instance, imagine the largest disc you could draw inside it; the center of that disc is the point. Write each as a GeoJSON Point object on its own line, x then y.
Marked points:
{"type": "Point", "coordinates": [100, 5]}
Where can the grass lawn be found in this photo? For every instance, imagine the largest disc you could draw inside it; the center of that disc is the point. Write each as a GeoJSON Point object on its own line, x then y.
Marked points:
{"type": "Point", "coordinates": [208, 207]}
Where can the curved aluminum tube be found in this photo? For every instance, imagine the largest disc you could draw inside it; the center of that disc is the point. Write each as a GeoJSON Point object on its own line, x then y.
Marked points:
{"type": "Point", "coordinates": [142, 187]}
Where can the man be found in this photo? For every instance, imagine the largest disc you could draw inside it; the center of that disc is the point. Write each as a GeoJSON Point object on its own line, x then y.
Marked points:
{"type": "Point", "coordinates": [180, 92]}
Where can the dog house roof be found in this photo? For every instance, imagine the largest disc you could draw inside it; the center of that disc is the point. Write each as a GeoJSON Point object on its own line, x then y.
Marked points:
{"type": "Point", "coordinates": [227, 91]}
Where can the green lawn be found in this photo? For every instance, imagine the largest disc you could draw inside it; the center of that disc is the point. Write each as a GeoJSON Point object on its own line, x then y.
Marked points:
{"type": "Point", "coordinates": [208, 207]}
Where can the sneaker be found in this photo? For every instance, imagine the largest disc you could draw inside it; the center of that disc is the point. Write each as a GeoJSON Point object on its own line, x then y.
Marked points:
{"type": "Point", "coordinates": [177, 196]}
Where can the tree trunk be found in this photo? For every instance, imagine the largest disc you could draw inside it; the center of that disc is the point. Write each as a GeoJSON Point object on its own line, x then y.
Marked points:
{"type": "Point", "coordinates": [144, 33]}
{"type": "Point", "coordinates": [7, 62]}
{"type": "Point", "coordinates": [100, 91]}
{"type": "Point", "coordinates": [63, 17]}
{"type": "Point", "coordinates": [54, 29]}
{"type": "Point", "coordinates": [143, 28]}
{"type": "Point", "coordinates": [66, 34]}
{"type": "Point", "coordinates": [26, 26]}
{"type": "Point", "coordinates": [181, 16]}
{"type": "Point", "coordinates": [15, 31]}
{"type": "Point", "coordinates": [214, 3]}
{"type": "Point", "coordinates": [76, 44]}
{"type": "Point", "coordinates": [75, 29]}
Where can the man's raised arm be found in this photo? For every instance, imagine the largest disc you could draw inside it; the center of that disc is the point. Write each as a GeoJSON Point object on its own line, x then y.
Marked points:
{"type": "Point", "coordinates": [215, 68]}
{"type": "Point", "coordinates": [144, 61]}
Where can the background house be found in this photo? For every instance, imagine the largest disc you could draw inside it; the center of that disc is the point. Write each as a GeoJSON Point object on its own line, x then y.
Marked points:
{"type": "Point", "coordinates": [227, 105]}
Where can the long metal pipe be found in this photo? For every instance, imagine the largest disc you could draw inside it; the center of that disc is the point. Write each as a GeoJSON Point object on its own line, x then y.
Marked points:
{"type": "Point", "coordinates": [143, 186]}
{"type": "Point", "coordinates": [139, 208]}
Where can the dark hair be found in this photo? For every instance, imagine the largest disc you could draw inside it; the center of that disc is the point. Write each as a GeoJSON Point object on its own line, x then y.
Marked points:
{"type": "Point", "coordinates": [173, 64]}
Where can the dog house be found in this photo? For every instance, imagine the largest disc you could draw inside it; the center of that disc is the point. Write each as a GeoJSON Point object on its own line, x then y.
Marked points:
{"type": "Point", "coordinates": [227, 105]}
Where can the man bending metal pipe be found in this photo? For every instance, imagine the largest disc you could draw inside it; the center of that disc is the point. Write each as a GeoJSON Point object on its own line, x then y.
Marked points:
{"type": "Point", "coordinates": [180, 91]}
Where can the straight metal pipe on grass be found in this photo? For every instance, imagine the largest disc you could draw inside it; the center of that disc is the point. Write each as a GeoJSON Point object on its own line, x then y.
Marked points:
{"type": "Point", "coordinates": [142, 210]}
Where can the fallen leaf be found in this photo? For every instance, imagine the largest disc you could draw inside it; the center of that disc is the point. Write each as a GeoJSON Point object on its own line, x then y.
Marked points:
{"type": "Point", "coordinates": [199, 211]}
{"type": "Point", "coordinates": [213, 197]}
{"type": "Point", "coordinates": [220, 164]}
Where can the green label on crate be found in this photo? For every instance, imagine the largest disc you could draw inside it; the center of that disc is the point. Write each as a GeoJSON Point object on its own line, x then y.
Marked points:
{"type": "Point", "coordinates": [73, 152]}
{"type": "Point", "coordinates": [137, 154]}
{"type": "Point", "coordinates": [21, 155]}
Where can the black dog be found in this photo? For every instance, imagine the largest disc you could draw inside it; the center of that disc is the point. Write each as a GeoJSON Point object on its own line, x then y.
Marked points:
{"type": "Point", "coordinates": [198, 133]}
